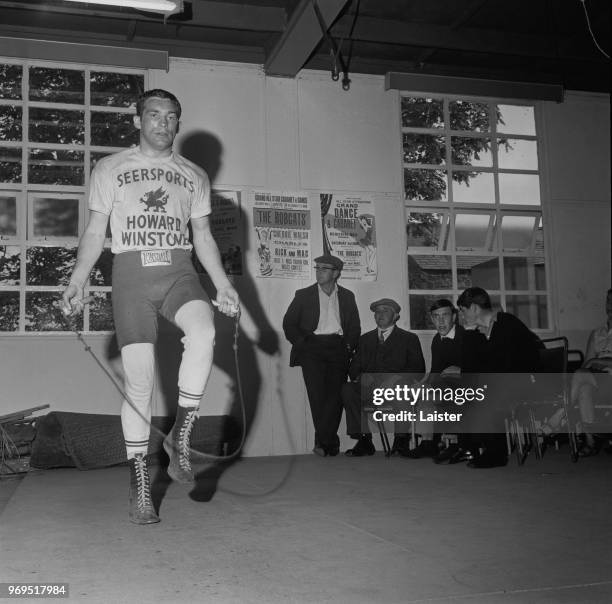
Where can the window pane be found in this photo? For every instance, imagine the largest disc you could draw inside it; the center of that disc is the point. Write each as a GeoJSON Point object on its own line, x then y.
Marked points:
{"type": "Point", "coordinates": [429, 272]}
{"type": "Point", "coordinates": [9, 311]}
{"type": "Point", "coordinates": [10, 81]}
{"type": "Point", "coordinates": [525, 273]}
{"type": "Point", "coordinates": [57, 85]}
{"type": "Point", "coordinates": [477, 271]}
{"type": "Point", "coordinates": [422, 113]}
{"type": "Point", "coordinates": [57, 126]}
{"type": "Point", "coordinates": [101, 312]}
{"type": "Point", "coordinates": [424, 149]}
{"type": "Point", "coordinates": [55, 217]}
{"type": "Point", "coordinates": [517, 154]}
{"type": "Point", "coordinates": [113, 129]}
{"type": "Point", "coordinates": [531, 310]}
{"type": "Point", "coordinates": [115, 89]}
{"type": "Point", "coordinates": [467, 115]}
{"type": "Point", "coordinates": [419, 309]}
{"type": "Point", "coordinates": [471, 151]}
{"type": "Point", "coordinates": [472, 232]}
{"type": "Point", "coordinates": [425, 185]}
{"type": "Point", "coordinates": [516, 119]}
{"type": "Point", "coordinates": [46, 166]}
{"type": "Point", "coordinates": [8, 216]}
{"type": "Point", "coordinates": [518, 232]}
{"type": "Point", "coordinates": [10, 164]}
{"type": "Point", "coordinates": [424, 229]}
{"type": "Point", "coordinates": [523, 189]}
{"type": "Point", "coordinates": [473, 187]}
{"type": "Point", "coordinates": [49, 265]}
{"type": "Point", "coordinates": [103, 269]}
{"type": "Point", "coordinates": [10, 123]}
{"type": "Point", "coordinates": [10, 264]}
{"type": "Point", "coordinates": [43, 313]}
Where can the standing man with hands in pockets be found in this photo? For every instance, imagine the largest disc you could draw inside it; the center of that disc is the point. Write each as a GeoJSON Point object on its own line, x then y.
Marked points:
{"type": "Point", "coordinates": [150, 194]}
{"type": "Point", "coordinates": [322, 324]}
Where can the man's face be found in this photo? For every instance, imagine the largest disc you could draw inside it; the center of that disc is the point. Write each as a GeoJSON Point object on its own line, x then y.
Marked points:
{"type": "Point", "coordinates": [443, 319]}
{"type": "Point", "coordinates": [325, 273]}
{"type": "Point", "coordinates": [158, 124]}
{"type": "Point", "coordinates": [384, 316]}
{"type": "Point", "coordinates": [468, 315]}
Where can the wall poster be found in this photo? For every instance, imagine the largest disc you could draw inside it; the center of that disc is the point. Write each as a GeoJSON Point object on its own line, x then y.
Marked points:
{"type": "Point", "coordinates": [349, 232]}
{"type": "Point", "coordinates": [226, 225]}
{"type": "Point", "coordinates": [282, 226]}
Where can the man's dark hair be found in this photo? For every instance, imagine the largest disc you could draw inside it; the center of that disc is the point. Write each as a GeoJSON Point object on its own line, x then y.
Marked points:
{"type": "Point", "coordinates": [157, 93]}
{"type": "Point", "coordinates": [474, 295]}
{"type": "Point", "coordinates": [442, 303]}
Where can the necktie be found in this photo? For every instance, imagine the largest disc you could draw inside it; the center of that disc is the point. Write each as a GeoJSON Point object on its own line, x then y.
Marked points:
{"type": "Point", "coordinates": [381, 337]}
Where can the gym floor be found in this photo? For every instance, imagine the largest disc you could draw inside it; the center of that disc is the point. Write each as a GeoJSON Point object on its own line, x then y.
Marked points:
{"type": "Point", "coordinates": [310, 529]}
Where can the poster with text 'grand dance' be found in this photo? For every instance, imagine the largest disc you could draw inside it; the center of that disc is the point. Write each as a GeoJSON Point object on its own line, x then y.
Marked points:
{"type": "Point", "coordinates": [283, 231]}
{"type": "Point", "coordinates": [349, 232]}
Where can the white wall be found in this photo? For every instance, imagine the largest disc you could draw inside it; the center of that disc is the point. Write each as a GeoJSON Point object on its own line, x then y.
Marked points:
{"type": "Point", "coordinates": [251, 131]}
{"type": "Point", "coordinates": [576, 147]}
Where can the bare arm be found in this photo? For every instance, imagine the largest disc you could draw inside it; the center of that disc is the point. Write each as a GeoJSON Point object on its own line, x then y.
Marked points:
{"type": "Point", "coordinates": [208, 254]}
{"type": "Point", "coordinates": [90, 248]}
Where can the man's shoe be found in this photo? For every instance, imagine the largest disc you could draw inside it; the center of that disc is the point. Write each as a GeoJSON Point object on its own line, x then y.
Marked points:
{"type": "Point", "coordinates": [401, 444]}
{"type": "Point", "coordinates": [140, 503]}
{"type": "Point", "coordinates": [445, 455]}
{"type": "Point", "coordinates": [489, 460]}
{"type": "Point", "coordinates": [363, 447]}
{"type": "Point", "coordinates": [178, 445]}
{"type": "Point", "coordinates": [320, 451]}
{"type": "Point", "coordinates": [460, 456]}
{"type": "Point", "coordinates": [333, 451]}
{"type": "Point", "coordinates": [426, 448]}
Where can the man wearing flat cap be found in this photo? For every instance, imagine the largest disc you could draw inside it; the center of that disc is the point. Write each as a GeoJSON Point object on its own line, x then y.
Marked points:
{"type": "Point", "coordinates": [322, 324]}
{"type": "Point", "coordinates": [386, 349]}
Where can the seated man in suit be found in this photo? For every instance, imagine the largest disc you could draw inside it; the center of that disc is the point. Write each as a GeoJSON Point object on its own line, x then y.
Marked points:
{"type": "Point", "coordinates": [386, 349]}
{"type": "Point", "coordinates": [446, 363]}
{"type": "Point", "coordinates": [593, 381]}
{"type": "Point", "coordinates": [495, 343]}
{"type": "Point", "coordinates": [445, 373]}
{"type": "Point", "coordinates": [322, 324]}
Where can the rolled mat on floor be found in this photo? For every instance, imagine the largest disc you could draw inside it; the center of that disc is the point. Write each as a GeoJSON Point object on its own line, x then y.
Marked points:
{"type": "Point", "coordinates": [88, 441]}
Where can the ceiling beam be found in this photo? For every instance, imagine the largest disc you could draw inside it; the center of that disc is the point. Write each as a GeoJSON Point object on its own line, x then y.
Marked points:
{"type": "Point", "coordinates": [462, 18]}
{"type": "Point", "coordinates": [301, 36]}
{"type": "Point", "coordinates": [386, 31]}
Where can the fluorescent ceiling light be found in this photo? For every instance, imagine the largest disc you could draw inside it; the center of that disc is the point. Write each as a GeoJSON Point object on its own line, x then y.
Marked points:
{"type": "Point", "coordinates": [166, 7]}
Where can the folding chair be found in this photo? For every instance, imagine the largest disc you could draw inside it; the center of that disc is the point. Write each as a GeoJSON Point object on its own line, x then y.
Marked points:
{"type": "Point", "coordinates": [549, 393]}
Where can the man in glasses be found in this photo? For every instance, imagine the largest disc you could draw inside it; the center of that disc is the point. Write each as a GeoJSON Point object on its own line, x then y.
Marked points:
{"type": "Point", "coordinates": [322, 324]}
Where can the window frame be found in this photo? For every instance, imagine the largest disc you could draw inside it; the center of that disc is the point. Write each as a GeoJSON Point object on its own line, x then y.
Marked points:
{"type": "Point", "coordinates": [24, 192]}
{"type": "Point", "coordinates": [450, 209]}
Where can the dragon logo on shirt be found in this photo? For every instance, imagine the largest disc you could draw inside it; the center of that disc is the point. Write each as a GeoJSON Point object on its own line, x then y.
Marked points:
{"type": "Point", "coordinates": [155, 199]}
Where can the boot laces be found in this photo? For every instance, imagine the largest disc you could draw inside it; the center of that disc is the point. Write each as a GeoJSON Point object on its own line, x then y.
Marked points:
{"type": "Point", "coordinates": [143, 483]}
{"type": "Point", "coordinates": [184, 439]}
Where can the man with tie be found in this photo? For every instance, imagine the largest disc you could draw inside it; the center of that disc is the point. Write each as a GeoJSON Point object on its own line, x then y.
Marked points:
{"type": "Point", "coordinates": [322, 324]}
{"type": "Point", "coordinates": [446, 363]}
{"type": "Point", "coordinates": [386, 349]}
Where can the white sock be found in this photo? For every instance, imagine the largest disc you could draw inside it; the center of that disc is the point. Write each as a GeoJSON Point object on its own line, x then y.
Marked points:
{"type": "Point", "coordinates": [139, 368]}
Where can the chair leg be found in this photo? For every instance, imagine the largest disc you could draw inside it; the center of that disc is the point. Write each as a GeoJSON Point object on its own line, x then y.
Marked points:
{"type": "Point", "coordinates": [508, 436]}
{"type": "Point", "coordinates": [533, 430]}
{"type": "Point", "coordinates": [384, 439]}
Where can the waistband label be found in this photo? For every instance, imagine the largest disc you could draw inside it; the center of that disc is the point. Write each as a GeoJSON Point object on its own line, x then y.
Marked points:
{"type": "Point", "coordinates": [156, 258]}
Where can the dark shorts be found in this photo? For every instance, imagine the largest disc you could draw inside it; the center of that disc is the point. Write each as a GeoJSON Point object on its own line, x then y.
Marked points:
{"type": "Point", "coordinates": [140, 293]}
